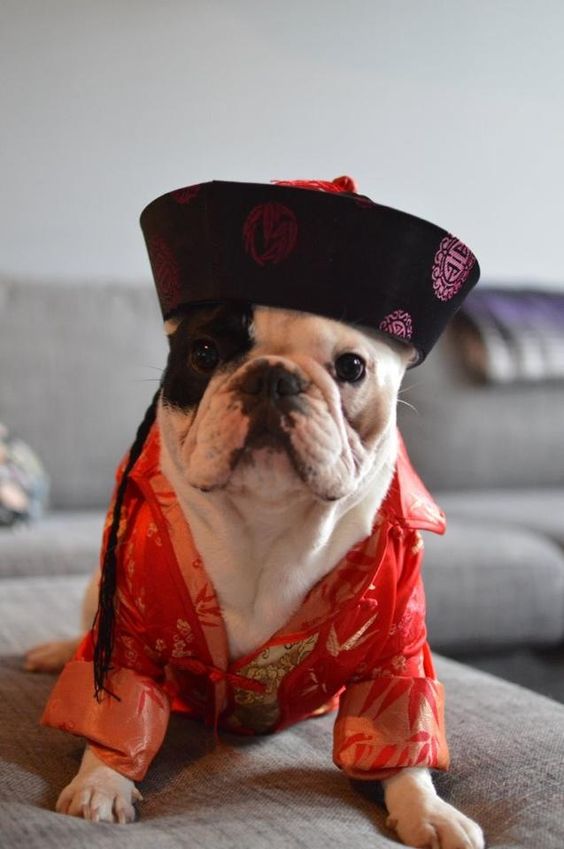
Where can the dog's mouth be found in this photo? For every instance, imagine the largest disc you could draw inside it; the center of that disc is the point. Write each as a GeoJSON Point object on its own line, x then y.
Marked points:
{"type": "Point", "coordinates": [268, 433]}
{"type": "Point", "coordinates": [269, 445]}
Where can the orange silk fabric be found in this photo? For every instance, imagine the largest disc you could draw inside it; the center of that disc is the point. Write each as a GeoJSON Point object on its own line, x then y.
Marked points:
{"type": "Point", "coordinates": [359, 638]}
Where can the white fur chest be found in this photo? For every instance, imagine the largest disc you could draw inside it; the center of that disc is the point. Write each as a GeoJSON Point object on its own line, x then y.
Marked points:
{"type": "Point", "coordinates": [263, 564]}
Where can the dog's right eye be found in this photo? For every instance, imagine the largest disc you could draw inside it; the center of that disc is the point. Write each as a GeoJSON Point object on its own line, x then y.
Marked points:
{"type": "Point", "coordinates": [204, 355]}
{"type": "Point", "coordinates": [350, 368]}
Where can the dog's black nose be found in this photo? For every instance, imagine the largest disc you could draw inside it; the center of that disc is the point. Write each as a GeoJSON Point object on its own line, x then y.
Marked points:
{"type": "Point", "coordinates": [271, 382]}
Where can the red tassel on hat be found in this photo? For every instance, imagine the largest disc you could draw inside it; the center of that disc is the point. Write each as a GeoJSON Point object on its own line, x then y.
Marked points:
{"type": "Point", "coordinates": [339, 184]}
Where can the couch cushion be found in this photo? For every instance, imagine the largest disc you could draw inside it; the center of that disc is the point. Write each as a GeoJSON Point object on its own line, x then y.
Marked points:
{"type": "Point", "coordinates": [61, 543]}
{"type": "Point", "coordinates": [539, 509]}
{"type": "Point", "coordinates": [538, 669]}
{"type": "Point", "coordinates": [37, 610]}
{"type": "Point", "coordinates": [79, 402]}
{"type": "Point", "coordinates": [492, 585]}
{"type": "Point", "coordinates": [282, 791]}
{"type": "Point", "coordinates": [469, 435]}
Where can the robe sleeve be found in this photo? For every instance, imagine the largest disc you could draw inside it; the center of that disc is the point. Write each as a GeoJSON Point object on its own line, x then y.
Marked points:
{"type": "Point", "coordinates": [125, 732]}
{"type": "Point", "coordinates": [391, 715]}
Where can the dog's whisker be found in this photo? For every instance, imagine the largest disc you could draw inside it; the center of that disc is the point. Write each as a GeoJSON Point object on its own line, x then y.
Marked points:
{"type": "Point", "coordinates": [407, 404]}
{"type": "Point", "coordinates": [405, 389]}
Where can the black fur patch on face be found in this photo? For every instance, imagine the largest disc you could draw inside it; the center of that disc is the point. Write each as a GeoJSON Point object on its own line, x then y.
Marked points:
{"type": "Point", "coordinates": [225, 327]}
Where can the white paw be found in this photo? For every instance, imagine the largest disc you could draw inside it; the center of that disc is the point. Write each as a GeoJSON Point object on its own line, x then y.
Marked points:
{"type": "Point", "coordinates": [434, 824]}
{"type": "Point", "coordinates": [99, 794]}
{"type": "Point", "coordinates": [50, 657]}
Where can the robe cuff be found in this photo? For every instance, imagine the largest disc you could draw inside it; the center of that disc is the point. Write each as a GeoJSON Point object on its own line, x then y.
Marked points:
{"type": "Point", "coordinates": [389, 723]}
{"type": "Point", "coordinates": [125, 734]}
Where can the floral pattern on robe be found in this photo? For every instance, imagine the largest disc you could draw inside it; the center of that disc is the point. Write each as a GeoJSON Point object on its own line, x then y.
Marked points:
{"type": "Point", "coordinates": [358, 642]}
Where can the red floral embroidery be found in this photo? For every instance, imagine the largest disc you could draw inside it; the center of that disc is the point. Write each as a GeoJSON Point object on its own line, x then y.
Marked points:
{"type": "Point", "coordinates": [166, 271]}
{"type": "Point", "coordinates": [184, 196]}
{"type": "Point", "coordinates": [390, 723]}
{"type": "Point", "coordinates": [151, 693]}
{"type": "Point", "coordinates": [270, 233]}
{"type": "Point", "coordinates": [207, 607]}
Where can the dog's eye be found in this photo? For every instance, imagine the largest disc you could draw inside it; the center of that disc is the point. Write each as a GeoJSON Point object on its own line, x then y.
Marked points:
{"type": "Point", "coordinates": [204, 355]}
{"type": "Point", "coordinates": [350, 368]}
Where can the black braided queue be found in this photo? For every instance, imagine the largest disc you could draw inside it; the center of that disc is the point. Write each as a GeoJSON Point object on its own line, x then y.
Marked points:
{"type": "Point", "coordinates": [105, 616]}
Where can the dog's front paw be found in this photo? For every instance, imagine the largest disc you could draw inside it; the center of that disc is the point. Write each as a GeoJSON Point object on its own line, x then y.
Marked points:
{"type": "Point", "coordinates": [434, 824]}
{"type": "Point", "coordinates": [422, 819]}
{"type": "Point", "coordinates": [99, 794]}
{"type": "Point", "coordinates": [50, 657]}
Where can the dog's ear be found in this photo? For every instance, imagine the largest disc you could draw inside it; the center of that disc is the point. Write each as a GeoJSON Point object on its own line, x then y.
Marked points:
{"type": "Point", "coordinates": [171, 324]}
{"type": "Point", "coordinates": [410, 356]}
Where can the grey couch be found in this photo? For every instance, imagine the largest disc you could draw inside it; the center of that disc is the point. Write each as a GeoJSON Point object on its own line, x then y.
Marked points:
{"type": "Point", "coordinates": [78, 365]}
{"type": "Point", "coordinates": [494, 458]}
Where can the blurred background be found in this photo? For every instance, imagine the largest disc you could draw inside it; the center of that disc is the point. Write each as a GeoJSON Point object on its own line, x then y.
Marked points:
{"type": "Point", "coordinates": [451, 110]}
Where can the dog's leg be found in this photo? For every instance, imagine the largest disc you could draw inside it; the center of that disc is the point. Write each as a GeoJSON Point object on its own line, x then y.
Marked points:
{"type": "Point", "coordinates": [51, 657]}
{"type": "Point", "coordinates": [422, 819]}
{"type": "Point", "coordinates": [99, 793]}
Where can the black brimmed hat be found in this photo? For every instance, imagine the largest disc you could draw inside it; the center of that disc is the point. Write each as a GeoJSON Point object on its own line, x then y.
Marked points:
{"type": "Point", "coordinates": [307, 245]}
{"type": "Point", "coordinates": [331, 252]}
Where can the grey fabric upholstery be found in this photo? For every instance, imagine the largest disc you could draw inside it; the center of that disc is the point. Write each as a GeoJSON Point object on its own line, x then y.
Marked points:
{"type": "Point", "coordinates": [538, 669]}
{"type": "Point", "coordinates": [467, 435]}
{"type": "Point", "coordinates": [492, 585]}
{"type": "Point", "coordinates": [78, 393]}
{"type": "Point", "coordinates": [37, 610]}
{"type": "Point", "coordinates": [61, 543]}
{"type": "Point", "coordinates": [282, 791]}
{"type": "Point", "coordinates": [540, 509]}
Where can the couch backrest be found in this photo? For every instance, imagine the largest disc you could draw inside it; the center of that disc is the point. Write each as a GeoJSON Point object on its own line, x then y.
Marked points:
{"type": "Point", "coordinates": [470, 435]}
{"type": "Point", "coordinates": [79, 364]}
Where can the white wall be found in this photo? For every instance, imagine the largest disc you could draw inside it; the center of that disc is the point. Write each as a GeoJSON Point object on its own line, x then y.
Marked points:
{"type": "Point", "coordinates": [452, 110]}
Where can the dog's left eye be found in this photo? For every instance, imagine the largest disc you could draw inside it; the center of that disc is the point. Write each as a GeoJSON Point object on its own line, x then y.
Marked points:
{"type": "Point", "coordinates": [350, 368]}
{"type": "Point", "coordinates": [204, 355]}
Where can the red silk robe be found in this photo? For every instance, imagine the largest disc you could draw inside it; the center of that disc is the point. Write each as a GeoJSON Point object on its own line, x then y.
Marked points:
{"type": "Point", "coordinates": [358, 640]}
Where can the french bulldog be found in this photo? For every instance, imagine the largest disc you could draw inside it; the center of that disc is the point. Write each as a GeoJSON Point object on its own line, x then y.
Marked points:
{"type": "Point", "coordinates": [278, 437]}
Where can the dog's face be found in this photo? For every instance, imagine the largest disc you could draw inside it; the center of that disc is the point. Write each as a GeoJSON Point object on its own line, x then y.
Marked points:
{"type": "Point", "coordinates": [277, 401]}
